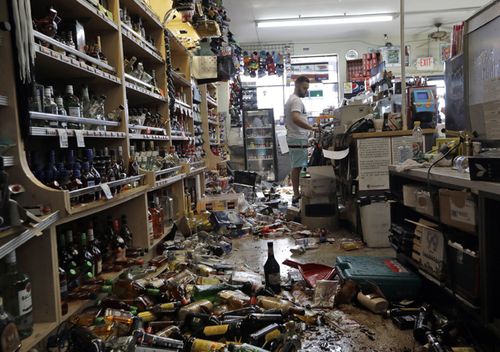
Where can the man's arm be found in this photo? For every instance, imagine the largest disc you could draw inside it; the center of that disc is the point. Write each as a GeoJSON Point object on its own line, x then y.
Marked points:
{"type": "Point", "coordinates": [297, 119]}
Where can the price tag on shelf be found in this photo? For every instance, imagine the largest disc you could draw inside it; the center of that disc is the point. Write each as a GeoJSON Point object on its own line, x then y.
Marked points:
{"type": "Point", "coordinates": [80, 140]}
{"type": "Point", "coordinates": [107, 191]}
{"type": "Point", "coordinates": [63, 138]}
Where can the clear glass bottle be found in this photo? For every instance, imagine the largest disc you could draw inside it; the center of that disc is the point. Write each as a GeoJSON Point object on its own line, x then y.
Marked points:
{"type": "Point", "coordinates": [15, 288]}
{"type": "Point", "coordinates": [418, 141]}
{"type": "Point", "coordinates": [86, 106]}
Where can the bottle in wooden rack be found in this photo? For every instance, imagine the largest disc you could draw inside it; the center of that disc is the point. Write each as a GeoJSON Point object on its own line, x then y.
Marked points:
{"type": "Point", "coordinates": [63, 289]}
{"type": "Point", "coordinates": [125, 232]}
{"type": "Point", "coordinates": [9, 336]}
{"type": "Point", "coordinates": [15, 288]}
{"type": "Point", "coordinates": [272, 270]}
{"type": "Point", "coordinates": [119, 246]}
{"type": "Point", "coordinates": [72, 106]}
{"type": "Point", "coordinates": [93, 248]}
{"type": "Point", "coordinates": [87, 260]}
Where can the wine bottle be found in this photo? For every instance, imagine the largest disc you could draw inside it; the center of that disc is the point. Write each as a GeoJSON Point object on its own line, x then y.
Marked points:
{"type": "Point", "coordinates": [272, 270]}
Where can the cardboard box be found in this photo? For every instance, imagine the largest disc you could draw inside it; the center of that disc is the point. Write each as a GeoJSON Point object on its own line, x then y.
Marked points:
{"type": "Point", "coordinates": [432, 256]}
{"type": "Point", "coordinates": [410, 195]}
{"type": "Point", "coordinates": [458, 209]}
{"type": "Point", "coordinates": [426, 203]}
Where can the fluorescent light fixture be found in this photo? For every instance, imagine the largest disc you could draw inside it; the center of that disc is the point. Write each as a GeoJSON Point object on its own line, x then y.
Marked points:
{"type": "Point", "coordinates": [320, 21]}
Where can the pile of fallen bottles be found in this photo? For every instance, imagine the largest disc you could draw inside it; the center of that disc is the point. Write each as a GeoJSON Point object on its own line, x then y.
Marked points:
{"type": "Point", "coordinates": [196, 302]}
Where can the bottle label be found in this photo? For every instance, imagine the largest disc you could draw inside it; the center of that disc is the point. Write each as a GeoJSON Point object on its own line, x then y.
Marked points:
{"type": "Point", "coordinates": [98, 267]}
{"type": "Point", "coordinates": [24, 299]}
{"type": "Point", "coordinates": [205, 345]}
{"type": "Point", "coordinates": [90, 183]}
{"type": "Point", "coordinates": [216, 330]}
{"type": "Point", "coordinates": [273, 335]}
{"type": "Point", "coordinates": [274, 279]}
{"type": "Point", "coordinates": [74, 111]}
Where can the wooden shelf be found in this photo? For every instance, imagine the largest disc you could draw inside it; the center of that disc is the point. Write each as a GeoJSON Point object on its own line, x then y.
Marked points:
{"type": "Point", "coordinates": [138, 94]}
{"type": "Point", "coordinates": [102, 65]}
{"type": "Point", "coordinates": [52, 65]}
{"type": "Point", "coordinates": [148, 137]}
{"type": "Point", "coordinates": [53, 132]}
{"type": "Point", "coordinates": [16, 237]}
{"type": "Point", "coordinates": [81, 9]}
{"type": "Point", "coordinates": [35, 115]}
{"type": "Point", "coordinates": [139, 7]}
{"type": "Point", "coordinates": [179, 79]}
{"type": "Point", "coordinates": [166, 231]}
{"type": "Point", "coordinates": [390, 133]}
{"type": "Point", "coordinates": [135, 45]}
{"type": "Point", "coordinates": [148, 128]}
{"type": "Point", "coordinates": [86, 209]}
{"type": "Point", "coordinates": [211, 101]}
{"type": "Point", "coordinates": [166, 182]}
{"type": "Point", "coordinates": [196, 171]}
{"type": "Point", "coordinates": [40, 331]}
{"type": "Point", "coordinates": [181, 104]}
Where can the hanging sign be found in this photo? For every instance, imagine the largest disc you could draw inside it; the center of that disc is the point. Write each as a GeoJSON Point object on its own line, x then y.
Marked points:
{"type": "Point", "coordinates": [425, 63]}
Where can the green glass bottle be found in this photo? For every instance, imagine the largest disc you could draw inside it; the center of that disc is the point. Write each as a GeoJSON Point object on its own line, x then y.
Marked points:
{"type": "Point", "coordinates": [15, 288]}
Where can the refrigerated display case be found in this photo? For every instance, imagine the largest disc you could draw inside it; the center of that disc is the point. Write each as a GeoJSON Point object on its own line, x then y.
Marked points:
{"type": "Point", "coordinates": [260, 142]}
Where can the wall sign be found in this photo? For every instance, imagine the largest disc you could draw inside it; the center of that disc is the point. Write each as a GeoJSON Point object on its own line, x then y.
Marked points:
{"type": "Point", "coordinates": [425, 63]}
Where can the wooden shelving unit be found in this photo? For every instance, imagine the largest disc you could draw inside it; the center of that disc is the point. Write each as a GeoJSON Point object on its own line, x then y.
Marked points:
{"type": "Point", "coordinates": [59, 64]}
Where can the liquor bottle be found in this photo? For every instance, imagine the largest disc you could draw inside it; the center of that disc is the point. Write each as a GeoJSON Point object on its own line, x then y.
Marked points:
{"type": "Point", "coordinates": [89, 155]}
{"type": "Point", "coordinates": [245, 347]}
{"type": "Point", "coordinates": [266, 335]}
{"type": "Point", "coordinates": [200, 345]}
{"type": "Point", "coordinates": [93, 248]}
{"type": "Point", "coordinates": [107, 243]}
{"type": "Point", "coordinates": [98, 54]}
{"type": "Point", "coordinates": [72, 105]}
{"type": "Point", "coordinates": [9, 336]}
{"type": "Point", "coordinates": [158, 222]}
{"type": "Point", "coordinates": [125, 232]}
{"type": "Point", "coordinates": [71, 249]}
{"type": "Point", "coordinates": [285, 307]}
{"type": "Point", "coordinates": [63, 289]}
{"type": "Point", "coordinates": [272, 270]}
{"type": "Point", "coordinates": [88, 180]}
{"type": "Point", "coordinates": [49, 106]}
{"type": "Point", "coordinates": [61, 111]}
{"type": "Point", "coordinates": [75, 184]}
{"type": "Point", "coordinates": [133, 168]}
{"type": "Point", "coordinates": [150, 227]}
{"type": "Point", "coordinates": [86, 259]}
{"type": "Point", "coordinates": [15, 288]}
{"type": "Point", "coordinates": [121, 170]}
{"type": "Point", "coordinates": [85, 105]}
{"type": "Point", "coordinates": [155, 218]}
{"type": "Point", "coordinates": [119, 245]}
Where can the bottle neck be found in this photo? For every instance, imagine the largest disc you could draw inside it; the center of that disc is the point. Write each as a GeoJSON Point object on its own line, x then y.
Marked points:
{"type": "Point", "coordinates": [270, 251]}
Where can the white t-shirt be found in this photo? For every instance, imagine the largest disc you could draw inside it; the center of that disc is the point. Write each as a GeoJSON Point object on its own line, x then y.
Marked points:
{"type": "Point", "coordinates": [294, 103]}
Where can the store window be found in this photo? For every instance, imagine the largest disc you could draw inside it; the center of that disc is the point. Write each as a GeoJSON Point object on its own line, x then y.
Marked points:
{"type": "Point", "coordinates": [274, 90]}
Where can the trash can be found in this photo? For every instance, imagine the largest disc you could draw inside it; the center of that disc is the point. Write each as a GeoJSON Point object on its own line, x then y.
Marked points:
{"type": "Point", "coordinates": [375, 214]}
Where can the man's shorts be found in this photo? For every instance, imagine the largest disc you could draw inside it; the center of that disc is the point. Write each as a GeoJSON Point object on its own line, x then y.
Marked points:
{"type": "Point", "coordinates": [298, 151]}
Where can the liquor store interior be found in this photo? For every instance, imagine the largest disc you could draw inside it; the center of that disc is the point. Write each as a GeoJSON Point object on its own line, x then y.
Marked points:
{"type": "Point", "coordinates": [249, 176]}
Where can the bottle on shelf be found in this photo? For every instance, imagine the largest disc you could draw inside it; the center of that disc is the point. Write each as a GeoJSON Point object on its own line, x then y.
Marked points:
{"type": "Point", "coordinates": [86, 259]}
{"type": "Point", "coordinates": [72, 105]}
{"type": "Point", "coordinates": [272, 270]}
{"type": "Point", "coordinates": [86, 104]}
{"type": "Point", "coordinates": [88, 180]}
{"type": "Point", "coordinates": [119, 246]}
{"type": "Point", "coordinates": [49, 105]}
{"type": "Point", "coordinates": [93, 248]}
{"type": "Point", "coordinates": [9, 335]}
{"type": "Point", "coordinates": [108, 255]}
{"type": "Point", "coordinates": [63, 289]}
{"type": "Point", "coordinates": [150, 230]}
{"type": "Point", "coordinates": [15, 288]}
{"type": "Point", "coordinates": [125, 232]}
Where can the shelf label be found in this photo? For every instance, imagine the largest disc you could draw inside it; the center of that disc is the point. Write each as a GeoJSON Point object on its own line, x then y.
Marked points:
{"type": "Point", "coordinates": [80, 139]}
{"type": "Point", "coordinates": [63, 138]}
{"type": "Point", "coordinates": [107, 191]}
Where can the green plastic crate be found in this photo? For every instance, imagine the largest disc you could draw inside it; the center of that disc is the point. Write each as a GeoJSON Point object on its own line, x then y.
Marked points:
{"type": "Point", "coordinates": [395, 281]}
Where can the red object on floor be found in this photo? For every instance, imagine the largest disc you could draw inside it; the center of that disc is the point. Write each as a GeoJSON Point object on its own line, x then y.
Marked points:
{"type": "Point", "coordinates": [312, 272]}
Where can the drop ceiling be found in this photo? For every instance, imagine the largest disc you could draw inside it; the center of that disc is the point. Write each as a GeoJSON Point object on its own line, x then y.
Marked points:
{"type": "Point", "coordinates": [421, 17]}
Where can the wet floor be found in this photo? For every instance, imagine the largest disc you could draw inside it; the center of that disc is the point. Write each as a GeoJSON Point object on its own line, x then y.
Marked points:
{"type": "Point", "coordinates": [354, 329]}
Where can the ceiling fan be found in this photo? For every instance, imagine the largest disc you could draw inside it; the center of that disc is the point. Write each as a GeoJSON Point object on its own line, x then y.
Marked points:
{"type": "Point", "coordinates": [439, 35]}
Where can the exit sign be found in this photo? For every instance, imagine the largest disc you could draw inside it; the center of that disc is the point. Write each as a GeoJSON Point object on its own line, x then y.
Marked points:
{"type": "Point", "coordinates": [425, 63]}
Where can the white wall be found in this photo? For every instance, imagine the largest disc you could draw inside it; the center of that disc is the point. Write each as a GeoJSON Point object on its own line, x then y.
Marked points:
{"type": "Point", "coordinates": [420, 47]}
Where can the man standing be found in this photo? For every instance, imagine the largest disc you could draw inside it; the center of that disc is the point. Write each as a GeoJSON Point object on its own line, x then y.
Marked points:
{"type": "Point", "coordinates": [297, 132]}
